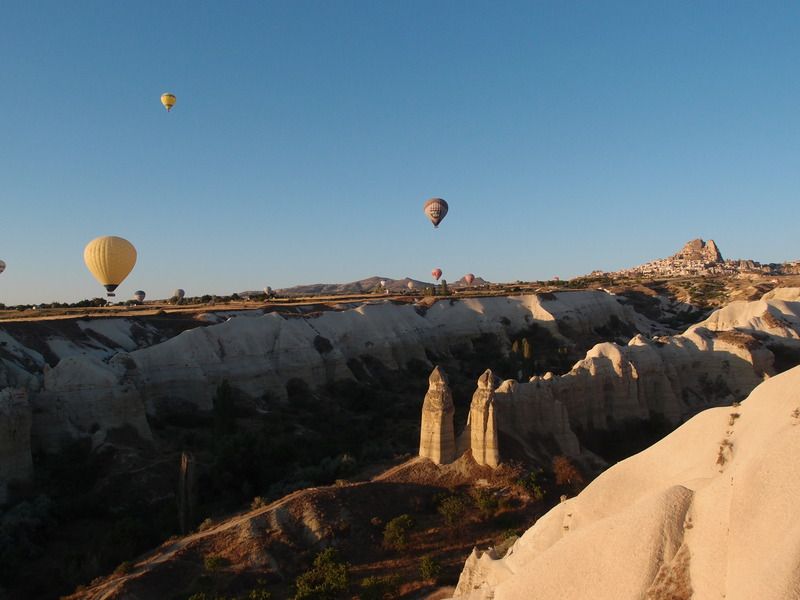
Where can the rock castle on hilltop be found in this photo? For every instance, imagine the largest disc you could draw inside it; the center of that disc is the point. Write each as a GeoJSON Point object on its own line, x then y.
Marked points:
{"type": "Point", "coordinates": [699, 257]}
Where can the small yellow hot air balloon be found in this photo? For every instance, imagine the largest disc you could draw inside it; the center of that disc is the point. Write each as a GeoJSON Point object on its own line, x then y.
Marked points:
{"type": "Point", "coordinates": [109, 259]}
{"type": "Point", "coordinates": [168, 100]}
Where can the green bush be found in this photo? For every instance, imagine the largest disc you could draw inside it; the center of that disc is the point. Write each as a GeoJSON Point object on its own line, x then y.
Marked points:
{"type": "Point", "coordinates": [394, 534]}
{"type": "Point", "coordinates": [429, 569]}
{"type": "Point", "coordinates": [213, 563]}
{"type": "Point", "coordinates": [452, 509]}
{"type": "Point", "coordinates": [124, 568]}
{"type": "Point", "coordinates": [326, 580]}
{"type": "Point", "coordinates": [530, 483]}
{"type": "Point", "coordinates": [487, 502]}
{"type": "Point", "coordinates": [379, 587]}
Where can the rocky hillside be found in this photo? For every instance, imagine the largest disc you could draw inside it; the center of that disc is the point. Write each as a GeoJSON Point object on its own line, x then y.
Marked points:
{"type": "Point", "coordinates": [115, 373]}
{"type": "Point", "coordinates": [701, 258]}
{"type": "Point", "coordinates": [704, 513]}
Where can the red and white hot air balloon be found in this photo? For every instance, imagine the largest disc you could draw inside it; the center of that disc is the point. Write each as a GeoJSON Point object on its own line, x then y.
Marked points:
{"type": "Point", "coordinates": [436, 210]}
{"type": "Point", "coordinates": [469, 278]}
{"type": "Point", "coordinates": [437, 272]}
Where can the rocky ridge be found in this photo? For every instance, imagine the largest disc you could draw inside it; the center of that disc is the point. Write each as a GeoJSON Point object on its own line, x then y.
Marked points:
{"type": "Point", "coordinates": [701, 514]}
{"type": "Point", "coordinates": [716, 362]}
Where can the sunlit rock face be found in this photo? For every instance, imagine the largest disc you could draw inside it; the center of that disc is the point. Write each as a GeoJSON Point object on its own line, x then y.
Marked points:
{"type": "Point", "coordinates": [104, 371]}
{"type": "Point", "coordinates": [701, 514]}
{"type": "Point", "coordinates": [437, 438]}
{"type": "Point", "coordinates": [716, 362]}
{"type": "Point", "coordinates": [16, 462]}
{"type": "Point", "coordinates": [482, 422]}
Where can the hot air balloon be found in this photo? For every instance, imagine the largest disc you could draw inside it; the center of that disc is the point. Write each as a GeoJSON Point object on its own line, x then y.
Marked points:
{"type": "Point", "coordinates": [469, 278]}
{"type": "Point", "coordinates": [268, 291]}
{"type": "Point", "coordinates": [110, 259]}
{"type": "Point", "coordinates": [410, 285]}
{"type": "Point", "coordinates": [139, 295]}
{"type": "Point", "coordinates": [179, 294]}
{"type": "Point", "coordinates": [382, 282]}
{"type": "Point", "coordinates": [436, 210]}
{"type": "Point", "coordinates": [2, 266]}
{"type": "Point", "coordinates": [168, 100]}
{"type": "Point", "coordinates": [437, 272]}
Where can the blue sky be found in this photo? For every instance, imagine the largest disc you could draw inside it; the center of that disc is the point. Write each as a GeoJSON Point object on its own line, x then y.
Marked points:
{"type": "Point", "coordinates": [566, 136]}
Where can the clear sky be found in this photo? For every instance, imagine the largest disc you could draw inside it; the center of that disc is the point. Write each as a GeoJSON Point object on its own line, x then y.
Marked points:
{"type": "Point", "coordinates": [566, 136]}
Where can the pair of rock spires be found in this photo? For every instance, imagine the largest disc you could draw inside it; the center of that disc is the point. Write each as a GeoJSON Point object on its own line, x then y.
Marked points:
{"type": "Point", "coordinates": [437, 435]}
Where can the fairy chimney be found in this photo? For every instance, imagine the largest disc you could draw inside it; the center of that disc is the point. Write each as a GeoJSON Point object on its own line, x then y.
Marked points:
{"type": "Point", "coordinates": [437, 438]}
{"type": "Point", "coordinates": [482, 422]}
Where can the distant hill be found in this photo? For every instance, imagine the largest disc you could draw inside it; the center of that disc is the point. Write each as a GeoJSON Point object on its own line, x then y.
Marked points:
{"type": "Point", "coordinates": [364, 286]}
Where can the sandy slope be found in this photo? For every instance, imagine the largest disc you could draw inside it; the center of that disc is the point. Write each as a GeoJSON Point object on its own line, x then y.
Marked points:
{"type": "Point", "coordinates": [709, 512]}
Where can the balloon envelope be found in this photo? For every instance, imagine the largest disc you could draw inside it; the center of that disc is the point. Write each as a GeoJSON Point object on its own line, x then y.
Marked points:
{"type": "Point", "coordinates": [436, 210]}
{"type": "Point", "coordinates": [179, 294]}
{"type": "Point", "coordinates": [2, 266]}
{"type": "Point", "coordinates": [139, 295]}
{"type": "Point", "coordinates": [410, 285]}
{"type": "Point", "coordinates": [110, 259]}
{"type": "Point", "coordinates": [168, 100]}
{"type": "Point", "coordinates": [436, 273]}
{"type": "Point", "coordinates": [469, 278]}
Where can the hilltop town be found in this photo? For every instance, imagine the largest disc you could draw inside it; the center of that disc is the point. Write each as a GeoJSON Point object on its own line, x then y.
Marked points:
{"type": "Point", "coordinates": [701, 258]}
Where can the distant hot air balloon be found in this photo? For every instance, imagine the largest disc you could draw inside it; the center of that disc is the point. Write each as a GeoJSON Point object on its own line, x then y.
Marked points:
{"type": "Point", "coordinates": [410, 285]}
{"type": "Point", "coordinates": [383, 282]}
{"type": "Point", "coordinates": [179, 294]}
{"type": "Point", "coordinates": [268, 291]}
{"type": "Point", "coordinates": [436, 210]}
{"type": "Point", "coordinates": [110, 259]}
{"type": "Point", "coordinates": [469, 278]}
{"type": "Point", "coordinates": [168, 100]}
{"type": "Point", "coordinates": [2, 266]}
{"type": "Point", "coordinates": [139, 295]}
{"type": "Point", "coordinates": [437, 272]}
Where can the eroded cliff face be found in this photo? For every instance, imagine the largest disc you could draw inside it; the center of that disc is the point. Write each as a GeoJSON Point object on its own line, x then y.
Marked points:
{"type": "Point", "coordinates": [117, 372]}
{"type": "Point", "coordinates": [700, 514]}
{"type": "Point", "coordinates": [16, 464]}
{"type": "Point", "coordinates": [94, 387]}
{"type": "Point", "coordinates": [717, 362]}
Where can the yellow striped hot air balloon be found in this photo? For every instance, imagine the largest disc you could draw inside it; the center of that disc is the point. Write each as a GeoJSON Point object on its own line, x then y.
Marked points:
{"type": "Point", "coordinates": [168, 100]}
{"type": "Point", "coordinates": [110, 259]}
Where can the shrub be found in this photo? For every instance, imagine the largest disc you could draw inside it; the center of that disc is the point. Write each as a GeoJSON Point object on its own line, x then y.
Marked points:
{"type": "Point", "coordinates": [394, 534]}
{"type": "Point", "coordinates": [378, 588]}
{"type": "Point", "coordinates": [326, 580]}
{"type": "Point", "coordinates": [452, 509]}
{"type": "Point", "coordinates": [124, 568]}
{"type": "Point", "coordinates": [213, 563]}
{"type": "Point", "coordinates": [486, 502]}
{"type": "Point", "coordinates": [566, 473]}
{"type": "Point", "coordinates": [530, 483]}
{"type": "Point", "coordinates": [206, 524]}
{"type": "Point", "coordinates": [429, 568]}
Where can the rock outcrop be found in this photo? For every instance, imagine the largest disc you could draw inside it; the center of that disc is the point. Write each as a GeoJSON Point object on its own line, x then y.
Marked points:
{"type": "Point", "coordinates": [16, 461]}
{"type": "Point", "coordinates": [437, 440]}
{"type": "Point", "coordinates": [701, 514]}
{"type": "Point", "coordinates": [102, 381]}
{"type": "Point", "coordinates": [699, 250]}
{"type": "Point", "coordinates": [482, 422]}
{"type": "Point", "coordinates": [716, 362]}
